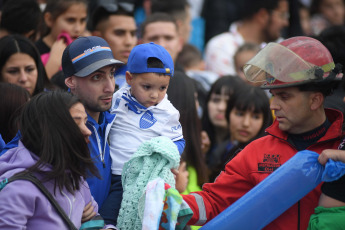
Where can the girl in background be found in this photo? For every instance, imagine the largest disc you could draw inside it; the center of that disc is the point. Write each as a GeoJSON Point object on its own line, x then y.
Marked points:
{"type": "Point", "coordinates": [214, 121]}
{"type": "Point", "coordinates": [248, 114]}
{"type": "Point", "coordinates": [182, 94]}
{"type": "Point", "coordinates": [65, 20]}
{"type": "Point", "coordinates": [20, 64]}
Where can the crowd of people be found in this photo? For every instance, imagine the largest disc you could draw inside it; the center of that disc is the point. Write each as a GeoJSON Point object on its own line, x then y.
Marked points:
{"type": "Point", "coordinates": [85, 83]}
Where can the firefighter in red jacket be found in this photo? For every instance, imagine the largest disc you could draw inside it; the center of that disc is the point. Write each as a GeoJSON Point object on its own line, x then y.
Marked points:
{"type": "Point", "coordinates": [300, 73]}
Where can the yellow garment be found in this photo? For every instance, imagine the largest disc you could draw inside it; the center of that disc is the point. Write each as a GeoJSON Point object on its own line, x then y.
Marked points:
{"type": "Point", "coordinates": [273, 115]}
{"type": "Point", "coordinates": [192, 186]}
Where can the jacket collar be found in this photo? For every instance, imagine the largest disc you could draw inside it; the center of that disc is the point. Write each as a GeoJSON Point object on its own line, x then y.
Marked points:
{"type": "Point", "coordinates": [104, 119]}
{"type": "Point", "coordinates": [334, 131]}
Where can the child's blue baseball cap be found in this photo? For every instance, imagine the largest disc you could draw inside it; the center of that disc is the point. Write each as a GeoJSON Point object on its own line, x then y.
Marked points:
{"type": "Point", "coordinates": [85, 55]}
{"type": "Point", "coordinates": [137, 60]}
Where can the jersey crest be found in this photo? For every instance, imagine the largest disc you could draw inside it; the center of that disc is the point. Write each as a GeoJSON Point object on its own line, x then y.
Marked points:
{"type": "Point", "coordinates": [147, 120]}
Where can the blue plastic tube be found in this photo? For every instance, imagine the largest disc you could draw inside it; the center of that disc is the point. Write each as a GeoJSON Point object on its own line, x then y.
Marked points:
{"type": "Point", "coordinates": [273, 196]}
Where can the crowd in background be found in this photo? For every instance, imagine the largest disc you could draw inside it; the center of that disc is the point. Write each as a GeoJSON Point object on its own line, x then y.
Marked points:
{"type": "Point", "coordinates": [210, 41]}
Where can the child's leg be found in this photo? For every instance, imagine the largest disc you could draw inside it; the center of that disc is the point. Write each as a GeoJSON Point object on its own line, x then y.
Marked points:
{"type": "Point", "coordinates": [111, 206]}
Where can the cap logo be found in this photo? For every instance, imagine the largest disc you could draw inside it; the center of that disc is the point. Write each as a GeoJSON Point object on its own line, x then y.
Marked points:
{"type": "Point", "coordinates": [270, 79]}
{"type": "Point", "coordinates": [269, 72]}
{"type": "Point", "coordinates": [90, 51]}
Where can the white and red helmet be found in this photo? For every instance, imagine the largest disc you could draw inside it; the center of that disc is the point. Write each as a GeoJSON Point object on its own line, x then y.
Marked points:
{"type": "Point", "coordinates": [294, 61]}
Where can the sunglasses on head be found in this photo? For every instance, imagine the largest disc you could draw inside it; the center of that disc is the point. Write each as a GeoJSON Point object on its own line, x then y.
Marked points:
{"type": "Point", "coordinates": [114, 6]}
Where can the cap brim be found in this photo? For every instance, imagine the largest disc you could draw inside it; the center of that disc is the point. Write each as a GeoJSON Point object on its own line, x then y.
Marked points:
{"type": "Point", "coordinates": [96, 66]}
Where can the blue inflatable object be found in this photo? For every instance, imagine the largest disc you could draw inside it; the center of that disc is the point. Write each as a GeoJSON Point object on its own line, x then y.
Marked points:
{"type": "Point", "coordinates": [333, 170]}
{"type": "Point", "coordinates": [274, 195]}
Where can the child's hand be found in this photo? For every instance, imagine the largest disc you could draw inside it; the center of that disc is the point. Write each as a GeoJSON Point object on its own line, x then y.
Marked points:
{"type": "Point", "coordinates": [336, 155]}
{"type": "Point", "coordinates": [54, 62]}
{"type": "Point", "coordinates": [182, 177]}
{"type": "Point", "coordinates": [175, 172]}
{"type": "Point", "coordinates": [88, 213]}
{"type": "Point", "coordinates": [57, 49]}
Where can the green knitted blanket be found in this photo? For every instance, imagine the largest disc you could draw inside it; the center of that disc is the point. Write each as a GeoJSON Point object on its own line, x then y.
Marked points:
{"type": "Point", "coordinates": [154, 158]}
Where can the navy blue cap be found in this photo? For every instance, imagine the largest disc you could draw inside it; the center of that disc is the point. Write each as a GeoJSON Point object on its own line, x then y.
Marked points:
{"type": "Point", "coordinates": [85, 55]}
{"type": "Point", "coordinates": [137, 60]}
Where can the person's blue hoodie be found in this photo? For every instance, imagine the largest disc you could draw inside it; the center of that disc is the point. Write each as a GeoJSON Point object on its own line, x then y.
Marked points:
{"type": "Point", "coordinates": [120, 76]}
{"type": "Point", "coordinates": [2, 143]}
{"type": "Point", "coordinates": [99, 151]}
{"type": "Point", "coordinates": [12, 144]}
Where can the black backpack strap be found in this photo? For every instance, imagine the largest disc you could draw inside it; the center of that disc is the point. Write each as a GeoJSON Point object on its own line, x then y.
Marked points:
{"type": "Point", "coordinates": [43, 189]}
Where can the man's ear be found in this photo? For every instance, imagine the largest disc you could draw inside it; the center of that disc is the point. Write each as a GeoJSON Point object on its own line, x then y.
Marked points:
{"type": "Point", "coordinates": [316, 100]}
{"type": "Point", "coordinates": [129, 77]}
{"type": "Point", "coordinates": [70, 82]}
{"type": "Point", "coordinates": [97, 33]}
{"type": "Point", "coordinates": [261, 17]}
{"type": "Point", "coordinates": [48, 19]}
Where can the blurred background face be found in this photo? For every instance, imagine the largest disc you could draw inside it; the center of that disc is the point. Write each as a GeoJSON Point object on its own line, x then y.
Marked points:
{"type": "Point", "coordinates": [334, 11]}
{"type": "Point", "coordinates": [73, 21]}
{"type": "Point", "coordinates": [279, 18]}
{"type": "Point", "coordinates": [305, 20]}
{"type": "Point", "coordinates": [20, 69]}
{"type": "Point", "coordinates": [120, 33]}
{"type": "Point", "coordinates": [164, 34]}
{"type": "Point", "coordinates": [216, 110]}
{"type": "Point", "coordinates": [79, 115]}
{"type": "Point", "coordinates": [244, 125]}
{"type": "Point", "coordinates": [241, 59]}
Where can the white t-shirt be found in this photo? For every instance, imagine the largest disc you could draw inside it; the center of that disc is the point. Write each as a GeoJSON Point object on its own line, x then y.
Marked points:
{"type": "Point", "coordinates": [135, 124]}
{"type": "Point", "coordinates": [220, 51]}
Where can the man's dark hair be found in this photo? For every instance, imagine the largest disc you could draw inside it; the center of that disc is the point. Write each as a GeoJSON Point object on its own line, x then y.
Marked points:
{"type": "Point", "coordinates": [153, 62]}
{"type": "Point", "coordinates": [334, 39]}
{"type": "Point", "coordinates": [251, 7]}
{"type": "Point", "coordinates": [21, 17]}
{"type": "Point", "coordinates": [101, 14]}
{"type": "Point", "coordinates": [175, 8]}
{"type": "Point", "coordinates": [156, 17]}
{"type": "Point", "coordinates": [326, 88]}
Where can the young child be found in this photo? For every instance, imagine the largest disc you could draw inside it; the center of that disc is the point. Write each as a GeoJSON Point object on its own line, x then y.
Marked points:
{"type": "Point", "coordinates": [143, 111]}
{"type": "Point", "coordinates": [242, 55]}
{"type": "Point", "coordinates": [65, 20]}
{"type": "Point", "coordinates": [330, 212]}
